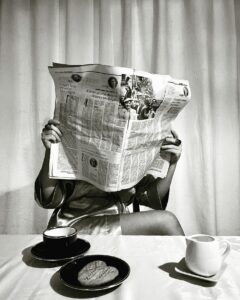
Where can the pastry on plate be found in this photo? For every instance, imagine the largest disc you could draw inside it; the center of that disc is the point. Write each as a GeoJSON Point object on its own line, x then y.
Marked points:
{"type": "Point", "coordinates": [96, 273]}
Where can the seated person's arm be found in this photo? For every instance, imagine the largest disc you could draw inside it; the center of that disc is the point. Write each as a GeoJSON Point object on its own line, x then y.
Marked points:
{"type": "Point", "coordinates": [49, 193]}
{"type": "Point", "coordinates": [154, 192]}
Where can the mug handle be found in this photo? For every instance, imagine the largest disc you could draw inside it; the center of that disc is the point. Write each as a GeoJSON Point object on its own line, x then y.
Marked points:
{"type": "Point", "coordinates": [227, 250]}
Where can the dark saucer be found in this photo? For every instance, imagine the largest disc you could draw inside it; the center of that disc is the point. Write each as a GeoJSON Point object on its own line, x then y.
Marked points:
{"type": "Point", "coordinates": [42, 252]}
{"type": "Point", "coordinates": [69, 272]}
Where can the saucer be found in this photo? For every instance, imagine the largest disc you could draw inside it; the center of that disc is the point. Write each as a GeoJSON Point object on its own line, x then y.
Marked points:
{"type": "Point", "coordinates": [42, 252]}
{"type": "Point", "coordinates": [69, 272]}
{"type": "Point", "coordinates": [181, 268]}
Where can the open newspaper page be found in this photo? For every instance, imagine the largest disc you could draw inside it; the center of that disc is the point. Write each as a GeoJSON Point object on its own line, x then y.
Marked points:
{"type": "Point", "coordinates": [177, 95]}
{"type": "Point", "coordinates": [113, 121]}
{"type": "Point", "coordinates": [159, 99]}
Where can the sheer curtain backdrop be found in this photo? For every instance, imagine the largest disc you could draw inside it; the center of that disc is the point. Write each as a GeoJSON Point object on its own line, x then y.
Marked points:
{"type": "Point", "coordinates": [188, 39]}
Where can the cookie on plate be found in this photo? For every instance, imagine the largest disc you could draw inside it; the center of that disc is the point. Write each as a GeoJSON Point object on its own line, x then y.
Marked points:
{"type": "Point", "coordinates": [96, 273]}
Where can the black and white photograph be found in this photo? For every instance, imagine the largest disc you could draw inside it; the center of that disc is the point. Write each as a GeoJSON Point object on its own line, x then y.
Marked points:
{"type": "Point", "coordinates": [120, 149]}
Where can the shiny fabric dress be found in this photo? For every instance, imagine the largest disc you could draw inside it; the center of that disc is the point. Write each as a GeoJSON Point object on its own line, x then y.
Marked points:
{"type": "Point", "coordinates": [89, 209]}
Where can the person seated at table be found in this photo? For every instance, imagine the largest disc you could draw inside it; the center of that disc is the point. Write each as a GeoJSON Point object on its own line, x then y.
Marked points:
{"type": "Point", "coordinates": [81, 205]}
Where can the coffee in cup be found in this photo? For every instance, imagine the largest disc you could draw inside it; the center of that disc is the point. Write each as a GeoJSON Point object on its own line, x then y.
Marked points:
{"type": "Point", "coordinates": [59, 237]}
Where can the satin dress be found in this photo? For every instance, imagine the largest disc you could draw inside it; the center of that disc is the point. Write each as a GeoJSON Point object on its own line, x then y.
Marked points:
{"type": "Point", "coordinates": [85, 207]}
{"type": "Point", "coordinates": [92, 211]}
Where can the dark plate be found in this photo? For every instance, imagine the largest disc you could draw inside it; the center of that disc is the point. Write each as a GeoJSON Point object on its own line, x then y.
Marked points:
{"type": "Point", "coordinates": [69, 272]}
{"type": "Point", "coordinates": [42, 252]}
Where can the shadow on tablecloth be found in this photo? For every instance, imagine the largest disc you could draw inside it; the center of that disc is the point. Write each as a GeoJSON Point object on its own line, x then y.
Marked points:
{"type": "Point", "coordinates": [170, 269]}
{"type": "Point", "coordinates": [30, 261]}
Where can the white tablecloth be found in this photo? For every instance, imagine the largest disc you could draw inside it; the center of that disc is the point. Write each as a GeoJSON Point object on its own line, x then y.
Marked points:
{"type": "Point", "coordinates": [152, 261]}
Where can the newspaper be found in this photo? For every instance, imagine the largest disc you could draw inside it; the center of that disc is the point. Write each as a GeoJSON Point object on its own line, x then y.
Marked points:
{"type": "Point", "coordinates": [113, 121]}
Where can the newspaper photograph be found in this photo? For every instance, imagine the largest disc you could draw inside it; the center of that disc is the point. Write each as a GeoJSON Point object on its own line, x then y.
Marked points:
{"type": "Point", "coordinates": [113, 121]}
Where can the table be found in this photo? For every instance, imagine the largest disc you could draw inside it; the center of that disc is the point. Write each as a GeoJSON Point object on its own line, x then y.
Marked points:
{"type": "Point", "coordinates": [152, 260]}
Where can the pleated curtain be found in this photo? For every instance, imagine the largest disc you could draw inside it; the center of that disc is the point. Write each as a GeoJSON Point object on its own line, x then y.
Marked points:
{"type": "Point", "coordinates": [187, 39]}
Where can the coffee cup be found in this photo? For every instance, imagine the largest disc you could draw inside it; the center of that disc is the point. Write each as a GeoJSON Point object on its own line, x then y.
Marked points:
{"type": "Point", "coordinates": [59, 237]}
{"type": "Point", "coordinates": [204, 255]}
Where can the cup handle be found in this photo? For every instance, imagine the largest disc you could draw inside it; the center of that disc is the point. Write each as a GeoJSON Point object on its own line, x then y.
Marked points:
{"type": "Point", "coordinates": [227, 250]}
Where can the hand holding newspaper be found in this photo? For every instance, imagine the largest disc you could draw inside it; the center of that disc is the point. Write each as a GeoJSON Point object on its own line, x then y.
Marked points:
{"type": "Point", "coordinates": [113, 121]}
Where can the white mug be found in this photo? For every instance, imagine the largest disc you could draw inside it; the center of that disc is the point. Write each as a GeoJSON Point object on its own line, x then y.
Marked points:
{"type": "Point", "coordinates": [203, 254]}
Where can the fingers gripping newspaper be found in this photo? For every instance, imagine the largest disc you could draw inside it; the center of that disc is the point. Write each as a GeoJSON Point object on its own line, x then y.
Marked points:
{"type": "Point", "coordinates": [113, 121]}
